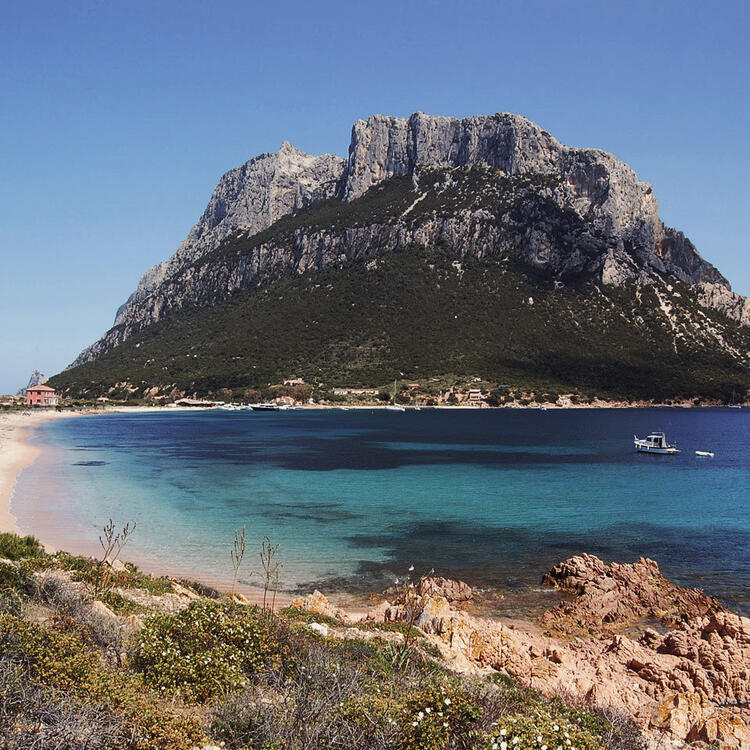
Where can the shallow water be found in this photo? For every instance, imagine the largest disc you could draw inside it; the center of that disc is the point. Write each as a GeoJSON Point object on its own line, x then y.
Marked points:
{"type": "Point", "coordinates": [356, 497]}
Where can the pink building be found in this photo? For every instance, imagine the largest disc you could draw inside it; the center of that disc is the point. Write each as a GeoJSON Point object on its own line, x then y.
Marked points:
{"type": "Point", "coordinates": [41, 395]}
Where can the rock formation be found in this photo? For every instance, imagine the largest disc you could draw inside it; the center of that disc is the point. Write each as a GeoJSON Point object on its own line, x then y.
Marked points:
{"type": "Point", "coordinates": [690, 683]}
{"type": "Point", "coordinates": [563, 212]}
{"type": "Point", "coordinates": [37, 378]}
{"type": "Point", "coordinates": [612, 597]}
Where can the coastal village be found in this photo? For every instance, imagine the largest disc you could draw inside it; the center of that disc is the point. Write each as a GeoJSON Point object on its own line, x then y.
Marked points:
{"type": "Point", "coordinates": [294, 392]}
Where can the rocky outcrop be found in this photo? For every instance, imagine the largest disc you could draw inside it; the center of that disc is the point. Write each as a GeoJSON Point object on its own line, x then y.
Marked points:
{"type": "Point", "coordinates": [721, 298]}
{"type": "Point", "coordinates": [452, 591]}
{"type": "Point", "coordinates": [37, 378]}
{"type": "Point", "coordinates": [592, 216]}
{"type": "Point", "coordinates": [688, 684]}
{"type": "Point", "coordinates": [612, 597]}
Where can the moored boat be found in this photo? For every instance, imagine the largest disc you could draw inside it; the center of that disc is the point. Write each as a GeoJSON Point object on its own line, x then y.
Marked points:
{"type": "Point", "coordinates": [656, 442]}
{"type": "Point", "coordinates": [264, 407]}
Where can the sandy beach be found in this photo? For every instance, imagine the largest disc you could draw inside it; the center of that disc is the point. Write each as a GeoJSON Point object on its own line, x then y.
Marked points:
{"type": "Point", "coordinates": [16, 454]}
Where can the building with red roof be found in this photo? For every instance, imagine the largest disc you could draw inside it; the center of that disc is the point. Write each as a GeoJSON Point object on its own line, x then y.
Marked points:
{"type": "Point", "coordinates": [41, 395]}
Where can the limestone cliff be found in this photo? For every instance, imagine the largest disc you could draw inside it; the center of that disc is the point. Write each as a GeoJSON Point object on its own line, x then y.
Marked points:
{"type": "Point", "coordinates": [561, 211]}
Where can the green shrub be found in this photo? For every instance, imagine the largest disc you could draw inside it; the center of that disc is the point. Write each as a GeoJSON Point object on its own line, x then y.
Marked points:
{"type": "Point", "coordinates": [14, 547]}
{"type": "Point", "coordinates": [437, 717]}
{"type": "Point", "coordinates": [305, 616]}
{"type": "Point", "coordinates": [15, 578]}
{"type": "Point", "coordinates": [11, 602]}
{"type": "Point", "coordinates": [95, 573]}
{"type": "Point", "coordinates": [204, 649]}
{"type": "Point", "coordinates": [63, 660]}
{"type": "Point", "coordinates": [542, 728]}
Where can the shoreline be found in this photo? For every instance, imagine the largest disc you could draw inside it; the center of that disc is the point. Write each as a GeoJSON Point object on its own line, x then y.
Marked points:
{"type": "Point", "coordinates": [18, 451]}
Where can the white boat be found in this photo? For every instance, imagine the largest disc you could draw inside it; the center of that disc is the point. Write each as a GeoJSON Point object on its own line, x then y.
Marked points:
{"type": "Point", "coordinates": [656, 442]}
{"type": "Point", "coordinates": [393, 406]}
{"type": "Point", "coordinates": [732, 404]}
{"type": "Point", "coordinates": [264, 407]}
{"type": "Point", "coordinates": [710, 454]}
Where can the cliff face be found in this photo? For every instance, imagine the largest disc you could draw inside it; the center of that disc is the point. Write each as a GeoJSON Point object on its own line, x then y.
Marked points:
{"type": "Point", "coordinates": [496, 186]}
{"type": "Point", "coordinates": [250, 198]}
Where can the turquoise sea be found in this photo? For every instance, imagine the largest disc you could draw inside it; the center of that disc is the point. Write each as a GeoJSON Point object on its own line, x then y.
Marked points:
{"type": "Point", "coordinates": [355, 497]}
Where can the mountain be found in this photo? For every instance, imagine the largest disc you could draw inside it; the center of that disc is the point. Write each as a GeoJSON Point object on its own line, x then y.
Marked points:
{"type": "Point", "coordinates": [553, 261]}
{"type": "Point", "coordinates": [36, 379]}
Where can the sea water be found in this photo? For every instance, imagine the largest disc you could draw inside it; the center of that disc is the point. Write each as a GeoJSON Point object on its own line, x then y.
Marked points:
{"type": "Point", "coordinates": [355, 497]}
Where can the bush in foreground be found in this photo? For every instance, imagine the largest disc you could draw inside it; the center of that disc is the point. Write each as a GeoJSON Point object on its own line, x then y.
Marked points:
{"type": "Point", "coordinates": [207, 648]}
{"type": "Point", "coordinates": [14, 547]}
{"type": "Point", "coordinates": [72, 674]}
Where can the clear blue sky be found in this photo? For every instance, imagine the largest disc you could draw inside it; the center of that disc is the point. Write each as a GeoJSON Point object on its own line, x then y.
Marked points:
{"type": "Point", "coordinates": [118, 118]}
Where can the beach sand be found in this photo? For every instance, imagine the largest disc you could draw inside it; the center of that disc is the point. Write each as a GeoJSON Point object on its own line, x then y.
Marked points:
{"type": "Point", "coordinates": [16, 454]}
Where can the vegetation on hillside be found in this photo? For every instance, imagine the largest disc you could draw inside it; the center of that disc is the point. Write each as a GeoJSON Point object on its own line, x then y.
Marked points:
{"type": "Point", "coordinates": [74, 674]}
{"type": "Point", "coordinates": [419, 314]}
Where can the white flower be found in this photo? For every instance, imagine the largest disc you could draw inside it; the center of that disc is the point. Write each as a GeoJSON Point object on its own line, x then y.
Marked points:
{"type": "Point", "coordinates": [503, 745]}
{"type": "Point", "coordinates": [411, 567]}
{"type": "Point", "coordinates": [447, 701]}
{"type": "Point", "coordinates": [445, 724]}
{"type": "Point", "coordinates": [503, 732]}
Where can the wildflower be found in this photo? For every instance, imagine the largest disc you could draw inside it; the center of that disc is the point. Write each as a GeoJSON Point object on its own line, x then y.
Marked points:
{"type": "Point", "coordinates": [503, 732]}
{"type": "Point", "coordinates": [447, 701]}
{"type": "Point", "coordinates": [503, 745]}
{"type": "Point", "coordinates": [411, 567]}
{"type": "Point", "coordinates": [445, 724]}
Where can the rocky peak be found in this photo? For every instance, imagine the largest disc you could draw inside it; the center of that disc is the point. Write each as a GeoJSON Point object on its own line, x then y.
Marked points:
{"type": "Point", "coordinates": [37, 378]}
{"type": "Point", "coordinates": [248, 199]}
{"type": "Point", "coordinates": [382, 146]}
{"type": "Point", "coordinates": [593, 215]}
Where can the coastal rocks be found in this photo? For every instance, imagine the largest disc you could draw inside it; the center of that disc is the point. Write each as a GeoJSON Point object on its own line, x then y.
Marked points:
{"type": "Point", "coordinates": [690, 683]}
{"type": "Point", "coordinates": [452, 591]}
{"type": "Point", "coordinates": [697, 720]}
{"type": "Point", "coordinates": [319, 604]}
{"type": "Point", "coordinates": [613, 597]}
{"type": "Point", "coordinates": [711, 657]}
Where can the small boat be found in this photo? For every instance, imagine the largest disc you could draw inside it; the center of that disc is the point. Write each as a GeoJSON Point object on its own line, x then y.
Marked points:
{"type": "Point", "coordinates": [393, 406]}
{"type": "Point", "coordinates": [709, 454]}
{"type": "Point", "coordinates": [264, 407]}
{"type": "Point", "coordinates": [732, 404]}
{"type": "Point", "coordinates": [656, 442]}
